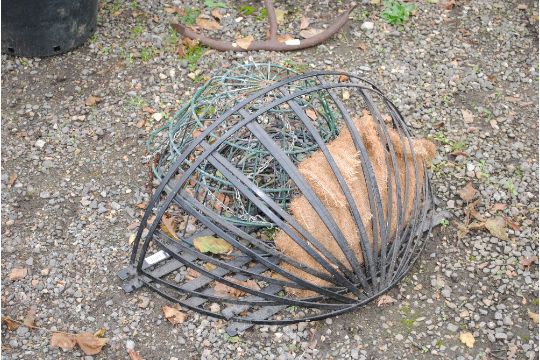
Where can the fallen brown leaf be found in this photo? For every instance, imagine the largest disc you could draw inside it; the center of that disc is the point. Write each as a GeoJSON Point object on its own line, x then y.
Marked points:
{"type": "Point", "coordinates": [133, 355]}
{"type": "Point", "coordinates": [307, 33]}
{"type": "Point", "coordinates": [92, 100]}
{"type": "Point", "coordinates": [284, 38]}
{"type": "Point", "coordinates": [526, 262]}
{"type": "Point", "coordinates": [245, 42]}
{"type": "Point", "coordinates": [223, 289]}
{"type": "Point", "coordinates": [190, 43]}
{"type": "Point", "coordinates": [497, 227]}
{"type": "Point", "coordinates": [18, 274]}
{"type": "Point", "coordinates": [304, 23]}
{"type": "Point", "coordinates": [168, 226]}
{"type": "Point", "coordinates": [467, 116]}
{"type": "Point", "coordinates": [498, 207]}
{"type": "Point", "coordinates": [311, 114]}
{"type": "Point", "coordinates": [512, 224]}
{"type": "Point", "coordinates": [385, 299]}
{"type": "Point", "coordinates": [10, 323]}
{"type": "Point", "coordinates": [90, 344]}
{"type": "Point", "coordinates": [174, 315]}
{"type": "Point", "coordinates": [280, 16]}
{"type": "Point", "coordinates": [217, 14]}
{"type": "Point", "coordinates": [100, 333]}
{"type": "Point", "coordinates": [467, 338]}
{"type": "Point", "coordinates": [207, 23]}
{"type": "Point", "coordinates": [63, 340]}
{"type": "Point", "coordinates": [533, 316]}
{"type": "Point", "coordinates": [11, 180]}
{"type": "Point", "coordinates": [467, 193]}
{"type": "Point", "coordinates": [344, 78]}
{"type": "Point", "coordinates": [30, 318]}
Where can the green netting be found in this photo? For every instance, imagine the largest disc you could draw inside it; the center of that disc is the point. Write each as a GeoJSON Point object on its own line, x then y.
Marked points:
{"type": "Point", "coordinates": [209, 102]}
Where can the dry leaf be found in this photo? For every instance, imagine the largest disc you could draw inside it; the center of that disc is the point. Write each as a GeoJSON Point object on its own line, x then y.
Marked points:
{"type": "Point", "coordinates": [449, 4]}
{"type": "Point", "coordinates": [11, 325]}
{"type": "Point", "coordinates": [304, 23]}
{"type": "Point", "coordinates": [385, 299]}
{"type": "Point", "coordinates": [223, 289]}
{"type": "Point", "coordinates": [100, 333]}
{"type": "Point", "coordinates": [11, 180]}
{"type": "Point", "coordinates": [192, 274]}
{"type": "Point", "coordinates": [133, 355]}
{"type": "Point", "coordinates": [467, 338]}
{"type": "Point", "coordinates": [312, 114]}
{"type": "Point", "coordinates": [174, 315]}
{"type": "Point", "coordinates": [92, 100]}
{"type": "Point", "coordinates": [30, 318]}
{"type": "Point", "coordinates": [467, 116]}
{"type": "Point", "coordinates": [362, 46]}
{"type": "Point", "coordinates": [63, 340]}
{"type": "Point", "coordinates": [18, 274]}
{"type": "Point", "coordinates": [344, 78]}
{"type": "Point", "coordinates": [217, 14]}
{"type": "Point", "coordinates": [280, 16]}
{"type": "Point", "coordinates": [245, 42]}
{"type": "Point", "coordinates": [497, 227]}
{"type": "Point", "coordinates": [307, 33]}
{"type": "Point", "coordinates": [526, 262]}
{"type": "Point", "coordinates": [148, 110]}
{"type": "Point", "coordinates": [90, 344]}
{"type": "Point", "coordinates": [498, 207]}
{"type": "Point", "coordinates": [212, 245]}
{"type": "Point", "coordinates": [533, 316]}
{"type": "Point", "coordinates": [190, 43]}
{"type": "Point", "coordinates": [168, 226]}
{"type": "Point", "coordinates": [512, 224]}
{"type": "Point", "coordinates": [284, 38]}
{"type": "Point", "coordinates": [467, 193]}
{"type": "Point", "coordinates": [207, 23]}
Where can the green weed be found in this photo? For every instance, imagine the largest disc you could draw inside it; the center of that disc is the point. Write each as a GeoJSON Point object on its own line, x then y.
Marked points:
{"type": "Point", "coordinates": [190, 16]}
{"type": "Point", "coordinates": [445, 223]}
{"type": "Point", "coordinates": [136, 31]}
{"type": "Point", "coordinates": [263, 14]}
{"type": "Point", "coordinates": [247, 10]}
{"type": "Point", "coordinates": [211, 4]}
{"type": "Point", "coordinates": [396, 12]}
{"type": "Point", "coordinates": [511, 188]}
{"type": "Point", "coordinates": [193, 55]}
{"type": "Point", "coordinates": [147, 54]}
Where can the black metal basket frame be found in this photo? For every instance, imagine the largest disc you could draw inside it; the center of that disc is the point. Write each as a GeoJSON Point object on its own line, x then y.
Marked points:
{"type": "Point", "coordinates": [380, 271]}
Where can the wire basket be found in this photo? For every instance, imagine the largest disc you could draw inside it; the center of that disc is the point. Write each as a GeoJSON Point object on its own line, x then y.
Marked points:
{"type": "Point", "coordinates": [213, 99]}
{"type": "Point", "coordinates": [245, 273]}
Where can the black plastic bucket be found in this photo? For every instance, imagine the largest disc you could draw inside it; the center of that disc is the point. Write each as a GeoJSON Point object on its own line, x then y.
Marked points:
{"type": "Point", "coordinates": [46, 27]}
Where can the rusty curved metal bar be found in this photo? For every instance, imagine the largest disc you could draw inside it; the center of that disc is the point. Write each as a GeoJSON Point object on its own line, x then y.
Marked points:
{"type": "Point", "coordinates": [271, 43]}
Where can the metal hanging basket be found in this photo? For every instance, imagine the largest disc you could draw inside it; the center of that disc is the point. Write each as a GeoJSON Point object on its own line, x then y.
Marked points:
{"type": "Point", "coordinates": [232, 169]}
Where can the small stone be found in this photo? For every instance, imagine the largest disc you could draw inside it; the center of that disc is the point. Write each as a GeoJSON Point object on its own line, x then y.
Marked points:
{"type": "Point", "coordinates": [399, 337]}
{"type": "Point", "coordinates": [40, 143]}
{"type": "Point", "coordinates": [452, 327]}
{"type": "Point", "coordinates": [367, 25]}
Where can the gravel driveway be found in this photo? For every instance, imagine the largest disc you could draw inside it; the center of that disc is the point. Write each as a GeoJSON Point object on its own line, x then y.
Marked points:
{"type": "Point", "coordinates": [74, 170]}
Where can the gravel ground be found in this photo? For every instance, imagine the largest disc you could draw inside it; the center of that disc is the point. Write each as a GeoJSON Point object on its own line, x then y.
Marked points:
{"type": "Point", "coordinates": [73, 174]}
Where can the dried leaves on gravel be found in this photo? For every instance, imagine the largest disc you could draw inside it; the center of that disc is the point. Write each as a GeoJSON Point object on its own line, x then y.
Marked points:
{"type": "Point", "coordinates": [88, 342]}
{"type": "Point", "coordinates": [173, 315]}
{"type": "Point", "coordinates": [467, 338]}
{"type": "Point", "coordinates": [18, 274]}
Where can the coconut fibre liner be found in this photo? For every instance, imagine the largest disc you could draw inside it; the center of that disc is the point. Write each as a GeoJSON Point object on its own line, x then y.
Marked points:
{"type": "Point", "coordinates": [320, 177]}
